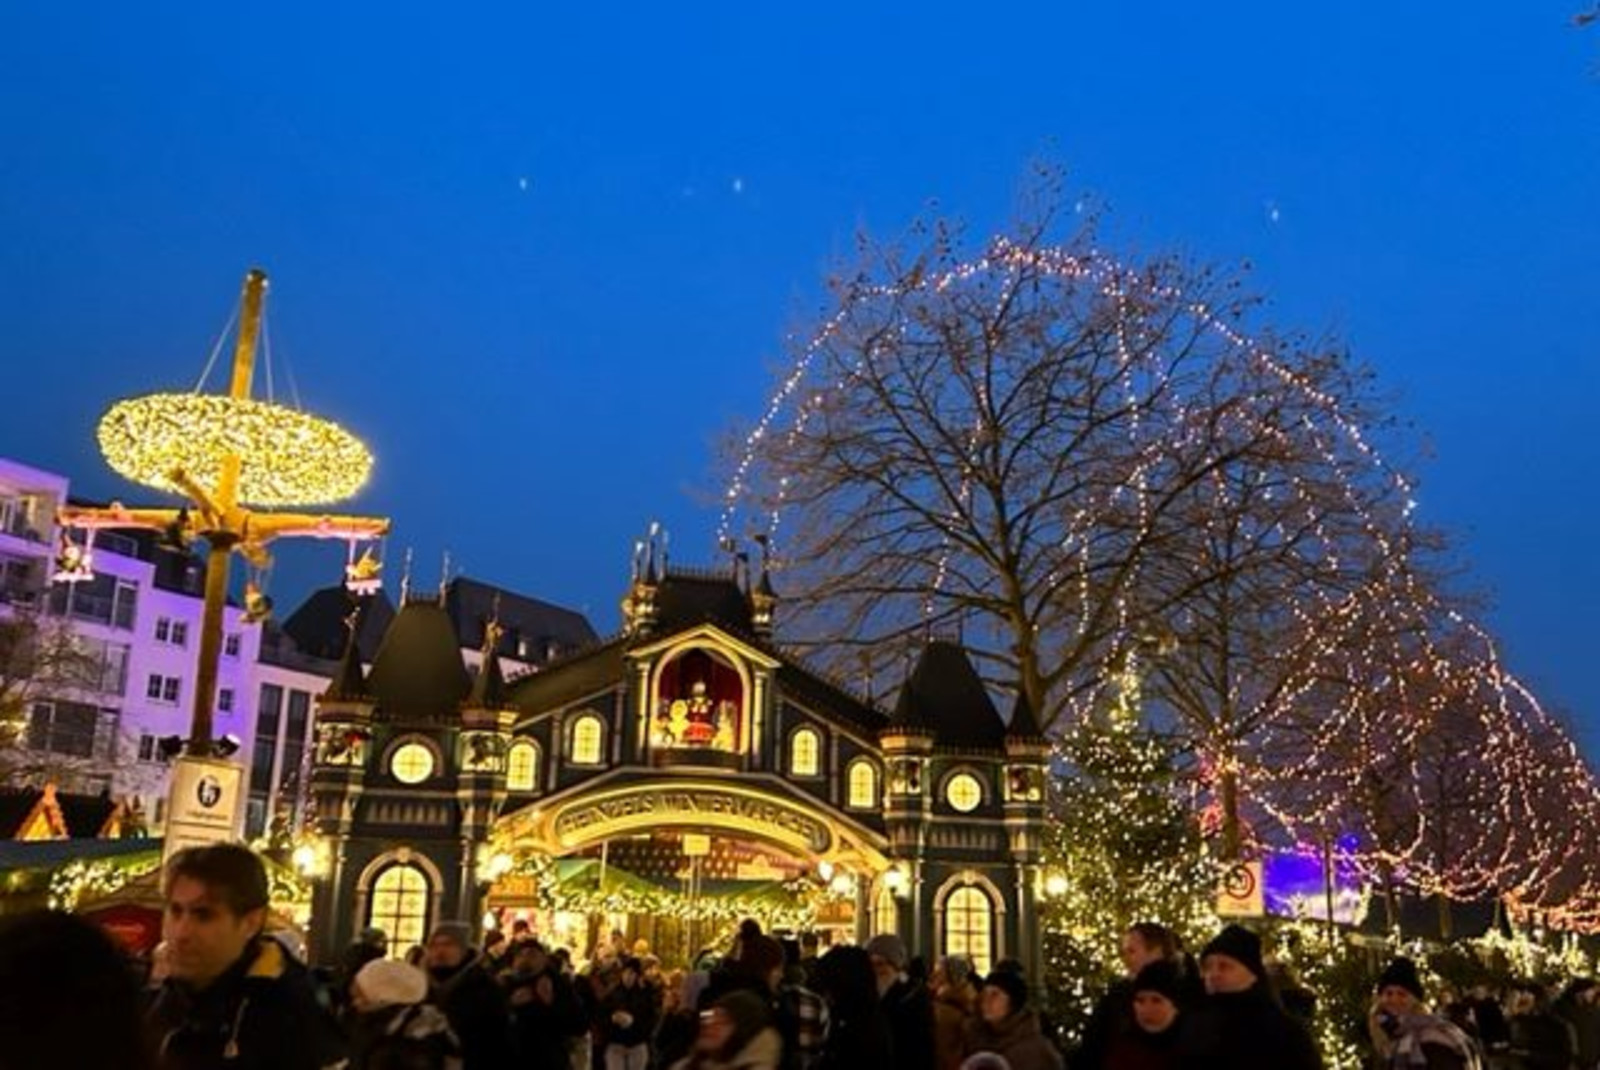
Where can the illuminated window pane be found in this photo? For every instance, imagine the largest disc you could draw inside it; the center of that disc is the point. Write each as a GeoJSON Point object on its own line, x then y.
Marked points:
{"type": "Point", "coordinates": [522, 767]}
{"type": "Point", "coordinates": [586, 739]}
{"type": "Point", "coordinates": [803, 753]}
{"type": "Point", "coordinates": [863, 786]}
{"type": "Point", "coordinates": [412, 763]}
{"type": "Point", "coordinates": [969, 927]}
{"type": "Point", "coordinates": [884, 918]}
{"type": "Point", "coordinates": [964, 793]}
{"type": "Point", "coordinates": [399, 906]}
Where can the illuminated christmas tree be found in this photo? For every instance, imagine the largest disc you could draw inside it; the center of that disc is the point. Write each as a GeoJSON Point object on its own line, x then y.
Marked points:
{"type": "Point", "coordinates": [1124, 848]}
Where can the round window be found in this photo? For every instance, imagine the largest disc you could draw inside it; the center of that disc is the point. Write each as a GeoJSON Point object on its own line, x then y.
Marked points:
{"type": "Point", "coordinates": [963, 793]}
{"type": "Point", "coordinates": [412, 763]}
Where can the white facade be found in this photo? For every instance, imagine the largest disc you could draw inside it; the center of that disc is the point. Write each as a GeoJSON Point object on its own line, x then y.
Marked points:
{"type": "Point", "coordinates": [105, 734]}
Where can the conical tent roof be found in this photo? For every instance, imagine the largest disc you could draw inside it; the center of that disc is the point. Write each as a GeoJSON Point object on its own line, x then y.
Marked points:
{"type": "Point", "coordinates": [945, 695]}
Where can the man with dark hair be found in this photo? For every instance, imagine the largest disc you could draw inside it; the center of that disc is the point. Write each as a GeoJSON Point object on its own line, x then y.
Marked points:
{"type": "Point", "coordinates": [233, 997]}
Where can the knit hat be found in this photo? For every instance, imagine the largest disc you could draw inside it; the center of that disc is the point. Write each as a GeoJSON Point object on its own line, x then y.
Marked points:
{"type": "Point", "coordinates": [1239, 944]}
{"type": "Point", "coordinates": [1401, 973]}
{"type": "Point", "coordinates": [1163, 977]}
{"type": "Point", "coordinates": [1014, 985]}
{"type": "Point", "coordinates": [760, 955]}
{"type": "Point", "coordinates": [890, 948]}
{"type": "Point", "coordinates": [459, 931]}
{"type": "Point", "coordinates": [390, 982]}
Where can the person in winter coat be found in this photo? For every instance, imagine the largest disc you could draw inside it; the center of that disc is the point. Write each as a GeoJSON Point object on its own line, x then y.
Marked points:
{"type": "Point", "coordinates": [546, 1013]}
{"type": "Point", "coordinates": [1579, 1007]}
{"type": "Point", "coordinates": [1008, 1027]}
{"type": "Point", "coordinates": [955, 1003]}
{"type": "Point", "coordinates": [469, 995]}
{"type": "Point", "coordinates": [69, 997]}
{"type": "Point", "coordinates": [392, 1025]}
{"type": "Point", "coordinates": [907, 1004]}
{"type": "Point", "coordinates": [628, 1020]}
{"type": "Point", "coordinates": [736, 1033]}
{"type": "Point", "coordinates": [1405, 1035]}
{"type": "Point", "coordinates": [233, 998]}
{"type": "Point", "coordinates": [858, 1031]}
{"type": "Point", "coordinates": [1241, 1025]}
{"type": "Point", "coordinates": [1540, 1040]}
{"type": "Point", "coordinates": [1151, 1041]}
{"type": "Point", "coordinates": [1112, 1016]}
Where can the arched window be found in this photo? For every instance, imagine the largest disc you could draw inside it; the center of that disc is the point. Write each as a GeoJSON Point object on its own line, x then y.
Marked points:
{"type": "Point", "coordinates": [885, 918]}
{"type": "Point", "coordinates": [863, 785]}
{"type": "Point", "coordinates": [399, 906]}
{"type": "Point", "coordinates": [969, 927]}
{"type": "Point", "coordinates": [522, 766]}
{"type": "Point", "coordinates": [588, 739]}
{"type": "Point", "coordinates": [805, 750]}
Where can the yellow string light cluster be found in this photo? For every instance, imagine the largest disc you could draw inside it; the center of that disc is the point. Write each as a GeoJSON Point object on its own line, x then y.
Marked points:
{"type": "Point", "coordinates": [289, 457]}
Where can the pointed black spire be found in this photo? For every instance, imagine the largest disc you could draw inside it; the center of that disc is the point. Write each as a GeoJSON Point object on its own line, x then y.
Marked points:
{"type": "Point", "coordinates": [489, 686]}
{"type": "Point", "coordinates": [1023, 724]}
{"type": "Point", "coordinates": [349, 682]}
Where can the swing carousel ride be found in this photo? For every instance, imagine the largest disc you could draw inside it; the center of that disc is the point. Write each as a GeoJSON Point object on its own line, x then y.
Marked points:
{"type": "Point", "coordinates": [231, 456]}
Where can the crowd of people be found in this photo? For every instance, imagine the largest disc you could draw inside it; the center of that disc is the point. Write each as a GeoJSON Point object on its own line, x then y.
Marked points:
{"type": "Point", "coordinates": [226, 994]}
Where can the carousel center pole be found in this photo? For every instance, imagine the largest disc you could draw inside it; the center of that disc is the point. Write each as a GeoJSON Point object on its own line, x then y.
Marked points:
{"type": "Point", "coordinates": [221, 538]}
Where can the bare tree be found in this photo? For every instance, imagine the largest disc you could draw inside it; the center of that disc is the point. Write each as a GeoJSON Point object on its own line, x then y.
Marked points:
{"type": "Point", "coordinates": [41, 658]}
{"type": "Point", "coordinates": [1006, 444]}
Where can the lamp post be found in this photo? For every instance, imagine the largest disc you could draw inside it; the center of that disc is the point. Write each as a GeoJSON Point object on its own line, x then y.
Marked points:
{"type": "Point", "coordinates": [226, 453]}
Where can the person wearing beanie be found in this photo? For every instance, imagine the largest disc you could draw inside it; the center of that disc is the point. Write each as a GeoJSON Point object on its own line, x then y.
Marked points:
{"type": "Point", "coordinates": [1405, 1034]}
{"type": "Point", "coordinates": [955, 1003]}
{"type": "Point", "coordinates": [393, 1024]}
{"type": "Point", "coordinates": [1008, 1027]}
{"type": "Point", "coordinates": [1151, 1042]}
{"type": "Point", "coordinates": [908, 1005]}
{"type": "Point", "coordinates": [470, 997]}
{"type": "Point", "coordinates": [1142, 943]}
{"type": "Point", "coordinates": [1229, 957]}
{"type": "Point", "coordinates": [1241, 1025]}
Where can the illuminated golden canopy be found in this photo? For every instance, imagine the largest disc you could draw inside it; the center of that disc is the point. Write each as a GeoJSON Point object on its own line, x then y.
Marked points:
{"type": "Point", "coordinates": [289, 457]}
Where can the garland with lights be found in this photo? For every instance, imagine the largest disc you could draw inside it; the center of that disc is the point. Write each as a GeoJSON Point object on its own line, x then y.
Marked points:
{"type": "Point", "coordinates": [793, 904]}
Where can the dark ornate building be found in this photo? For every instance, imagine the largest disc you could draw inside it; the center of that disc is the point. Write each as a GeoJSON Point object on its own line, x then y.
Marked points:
{"type": "Point", "coordinates": [689, 749]}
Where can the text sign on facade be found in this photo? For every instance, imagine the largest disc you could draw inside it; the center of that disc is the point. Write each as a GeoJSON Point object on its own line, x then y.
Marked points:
{"type": "Point", "coordinates": [203, 803]}
{"type": "Point", "coordinates": [648, 807]}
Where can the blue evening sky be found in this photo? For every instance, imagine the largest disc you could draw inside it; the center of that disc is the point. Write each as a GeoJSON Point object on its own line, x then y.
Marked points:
{"type": "Point", "coordinates": [540, 256]}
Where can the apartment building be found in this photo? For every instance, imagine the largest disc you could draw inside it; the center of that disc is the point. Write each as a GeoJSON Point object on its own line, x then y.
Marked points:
{"type": "Point", "coordinates": [136, 626]}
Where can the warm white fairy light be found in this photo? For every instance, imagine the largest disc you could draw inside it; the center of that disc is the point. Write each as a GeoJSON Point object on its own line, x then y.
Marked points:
{"type": "Point", "coordinates": [1298, 773]}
